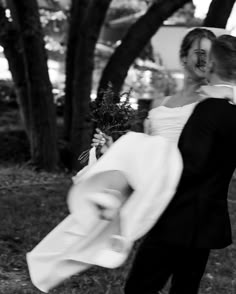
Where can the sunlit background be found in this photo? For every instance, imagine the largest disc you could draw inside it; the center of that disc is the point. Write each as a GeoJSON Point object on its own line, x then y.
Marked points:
{"type": "Point", "coordinates": [160, 43]}
{"type": "Point", "coordinates": [202, 8]}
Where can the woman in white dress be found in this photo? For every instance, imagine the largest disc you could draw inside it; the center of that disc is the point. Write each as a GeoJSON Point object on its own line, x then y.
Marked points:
{"type": "Point", "coordinates": [168, 119]}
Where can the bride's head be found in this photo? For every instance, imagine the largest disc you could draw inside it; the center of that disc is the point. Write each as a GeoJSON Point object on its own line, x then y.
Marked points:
{"type": "Point", "coordinates": [194, 52]}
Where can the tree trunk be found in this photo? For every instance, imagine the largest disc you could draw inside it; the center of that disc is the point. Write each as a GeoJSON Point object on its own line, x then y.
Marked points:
{"type": "Point", "coordinates": [218, 13]}
{"type": "Point", "coordinates": [81, 131]}
{"type": "Point", "coordinates": [10, 41]}
{"type": "Point", "coordinates": [43, 136]}
{"type": "Point", "coordinates": [135, 41]}
{"type": "Point", "coordinates": [78, 12]}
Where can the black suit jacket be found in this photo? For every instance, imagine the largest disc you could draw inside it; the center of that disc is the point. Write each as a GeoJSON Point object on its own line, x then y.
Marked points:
{"type": "Point", "coordinates": [198, 214]}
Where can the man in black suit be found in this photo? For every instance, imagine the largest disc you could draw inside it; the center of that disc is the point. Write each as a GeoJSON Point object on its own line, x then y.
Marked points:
{"type": "Point", "coordinates": [197, 219]}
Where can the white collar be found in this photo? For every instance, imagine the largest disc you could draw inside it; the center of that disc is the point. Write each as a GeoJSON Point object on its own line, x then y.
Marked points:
{"type": "Point", "coordinates": [233, 87]}
{"type": "Point", "coordinates": [207, 91]}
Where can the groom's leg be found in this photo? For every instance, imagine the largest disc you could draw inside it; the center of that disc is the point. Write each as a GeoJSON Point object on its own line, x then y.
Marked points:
{"type": "Point", "coordinates": [151, 269]}
{"type": "Point", "coordinates": [189, 270]}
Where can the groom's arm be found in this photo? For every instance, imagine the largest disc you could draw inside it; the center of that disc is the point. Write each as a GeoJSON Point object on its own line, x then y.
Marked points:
{"type": "Point", "coordinates": [198, 138]}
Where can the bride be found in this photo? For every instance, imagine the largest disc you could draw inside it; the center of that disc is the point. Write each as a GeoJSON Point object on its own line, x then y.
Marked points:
{"type": "Point", "coordinates": [168, 119]}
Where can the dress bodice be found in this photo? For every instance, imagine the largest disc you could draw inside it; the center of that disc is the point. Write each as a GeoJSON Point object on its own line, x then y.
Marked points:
{"type": "Point", "coordinates": [169, 122]}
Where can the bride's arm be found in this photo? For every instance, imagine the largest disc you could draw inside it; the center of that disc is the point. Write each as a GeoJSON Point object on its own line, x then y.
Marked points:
{"type": "Point", "coordinates": [146, 126]}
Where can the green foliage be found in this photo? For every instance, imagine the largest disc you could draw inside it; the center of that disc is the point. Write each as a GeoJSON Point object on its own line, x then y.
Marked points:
{"type": "Point", "coordinates": [122, 8]}
{"type": "Point", "coordinates": [55, 26]}
{"type": "Point", "coordinates": [112, 117]}
{"type": "Point", "coordinates": [150, 80]}
{"type": "Point", "coordinates": [7, 92]}
{"type": "Point", "coordinates": [185, 16]}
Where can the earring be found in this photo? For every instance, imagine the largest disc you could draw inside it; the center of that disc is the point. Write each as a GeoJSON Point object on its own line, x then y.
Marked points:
{"type": "Point", "coordinates": [183, 63]}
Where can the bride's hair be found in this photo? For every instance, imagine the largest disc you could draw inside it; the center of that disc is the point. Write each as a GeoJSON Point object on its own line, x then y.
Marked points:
{"type": "Point", "coordinates": [223, 54]}
{"type": "Point", "coordinates": [190, 37]}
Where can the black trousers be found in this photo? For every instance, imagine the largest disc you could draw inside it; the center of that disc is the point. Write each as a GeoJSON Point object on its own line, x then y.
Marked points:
{"type": "Point", "coordinates": [155, 264]}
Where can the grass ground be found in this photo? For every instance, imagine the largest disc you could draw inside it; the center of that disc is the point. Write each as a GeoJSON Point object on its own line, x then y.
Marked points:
{"type": "Point", "coordinates": [32, 203]}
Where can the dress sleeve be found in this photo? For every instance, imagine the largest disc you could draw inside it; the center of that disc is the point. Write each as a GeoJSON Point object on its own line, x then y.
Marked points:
{"type": "Point", "coordinates": [197, 139]}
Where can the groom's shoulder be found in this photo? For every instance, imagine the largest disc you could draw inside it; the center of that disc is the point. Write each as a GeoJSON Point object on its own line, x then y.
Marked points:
{"type": "Point", "coordinates": [216, 111]}
{"type": "Point", "coordinates": [214, 102]}
{"type": "Point", "coordinates": [213, 106]}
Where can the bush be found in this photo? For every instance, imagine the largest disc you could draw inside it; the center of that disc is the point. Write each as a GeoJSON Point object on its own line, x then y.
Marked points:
{"type": "Point", "coordinates": [7, 93]}
{"type": "Point", "coordinates": [124, 8]}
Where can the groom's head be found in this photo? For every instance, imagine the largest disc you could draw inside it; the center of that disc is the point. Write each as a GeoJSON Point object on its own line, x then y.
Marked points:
{"type": "Point", "coordinates": [222, 59]}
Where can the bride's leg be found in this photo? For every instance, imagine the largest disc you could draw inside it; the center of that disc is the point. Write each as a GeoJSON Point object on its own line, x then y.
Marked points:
{"type": "Point", "coordinates": [113, 190]}
{"type": "Point", "coordinates": [101, 195]}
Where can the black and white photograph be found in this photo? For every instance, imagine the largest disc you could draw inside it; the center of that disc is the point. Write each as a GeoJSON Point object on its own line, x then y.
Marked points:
{"type": "Point", "coordinates": [118, 146]}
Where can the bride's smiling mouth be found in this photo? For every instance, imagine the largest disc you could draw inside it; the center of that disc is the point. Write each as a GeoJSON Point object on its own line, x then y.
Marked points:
{"type": "Point", "coordinates": [202, 68]}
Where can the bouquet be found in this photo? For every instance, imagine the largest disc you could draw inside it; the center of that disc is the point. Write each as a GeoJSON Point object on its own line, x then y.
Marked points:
{"type": "Point", "coordinates": [113, 115]}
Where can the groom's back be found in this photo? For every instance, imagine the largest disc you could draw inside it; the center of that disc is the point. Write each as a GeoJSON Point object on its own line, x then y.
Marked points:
{"type": "Point", "coordinates": [198, 214]}
{"type": "Point", "coordinates": [208, 147]}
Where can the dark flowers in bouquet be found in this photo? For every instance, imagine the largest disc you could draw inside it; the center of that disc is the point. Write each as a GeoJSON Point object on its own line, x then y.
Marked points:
{"type": "Point", "coordinates": [111, 117]}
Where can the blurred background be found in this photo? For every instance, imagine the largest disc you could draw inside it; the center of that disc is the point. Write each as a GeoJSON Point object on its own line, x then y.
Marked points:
{"type": "Point", "coordinates": [59, 55]}
{"type": "Point", "coordinates": [66, 67]}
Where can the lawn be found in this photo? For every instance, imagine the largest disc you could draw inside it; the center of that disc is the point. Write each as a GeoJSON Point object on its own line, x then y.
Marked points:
{"type": "Point", "coordinates": [32, 203]}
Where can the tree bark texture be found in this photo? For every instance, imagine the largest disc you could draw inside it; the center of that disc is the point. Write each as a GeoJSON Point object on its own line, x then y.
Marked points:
{"type": "Point", "coordinates": [81, 131]}
{"type": "Point", "coordinates": [43, 134]}
{"type": "Point", "coordinates": [134, 42]}
{"type": "Point", "coordinates": [78, 13]}
{"type": "Point", "coordinates": [10, 41]}
{"type": "Point", "coordinates": [218, 13]}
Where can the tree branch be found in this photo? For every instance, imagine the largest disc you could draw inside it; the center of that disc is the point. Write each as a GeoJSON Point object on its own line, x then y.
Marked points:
{"type": "Point", "coordinates": [134, 42]}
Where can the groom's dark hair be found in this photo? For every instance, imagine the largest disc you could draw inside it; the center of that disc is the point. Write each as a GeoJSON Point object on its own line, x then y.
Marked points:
{"type": "Point", "coordinates": [223, 55]}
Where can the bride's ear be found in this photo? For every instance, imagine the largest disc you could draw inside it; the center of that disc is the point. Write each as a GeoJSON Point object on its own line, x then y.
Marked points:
{"type": "Point", "coordinates": [211, 66]}
{"type": "Point", "coordinates": [183, 61]}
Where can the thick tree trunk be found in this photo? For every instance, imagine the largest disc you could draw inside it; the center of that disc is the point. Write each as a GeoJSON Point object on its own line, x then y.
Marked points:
{"type": "Point", "coordinates": [43, 128]}
{"type": "Point", "coordinates": [218, 13]}
{"type": "Point", "coordinates": [81, 130]}
{"type": "Point", "coordinates": [135, 41]}
{"type": "Point", "coordinates": [10, 41]}
{"type": "Point", "coordinates": [78, 12]}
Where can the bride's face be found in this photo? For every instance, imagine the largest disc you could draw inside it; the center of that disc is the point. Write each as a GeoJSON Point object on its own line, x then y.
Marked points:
{"type": "Point", "coordinates": [196, 60]}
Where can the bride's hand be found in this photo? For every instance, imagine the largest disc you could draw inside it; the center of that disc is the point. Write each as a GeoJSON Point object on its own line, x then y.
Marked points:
{"type": "Point", "coordinates": [103, 140]}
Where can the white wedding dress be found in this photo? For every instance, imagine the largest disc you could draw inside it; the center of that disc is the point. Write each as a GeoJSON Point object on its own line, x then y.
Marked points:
{"type": "Point", "coordinates": [168, 122]}
{"type": "Point", "coordinates": [152, 165]}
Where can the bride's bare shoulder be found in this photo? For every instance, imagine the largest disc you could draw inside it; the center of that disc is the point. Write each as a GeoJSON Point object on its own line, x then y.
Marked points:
{"type": "Point", "coordinates": [168, 99]}
{"type": "Point", "coordinates": [156, 103]}
{"type": "Point", "coordinates": [171, 100]}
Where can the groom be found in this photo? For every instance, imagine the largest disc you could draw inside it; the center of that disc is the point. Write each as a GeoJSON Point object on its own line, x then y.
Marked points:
{"type": "Point", "coordinates": [197, 219]}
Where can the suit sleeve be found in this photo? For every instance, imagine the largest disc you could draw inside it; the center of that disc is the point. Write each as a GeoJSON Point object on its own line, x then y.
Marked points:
{"type": "Point", "coordinates": [197, 139]}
